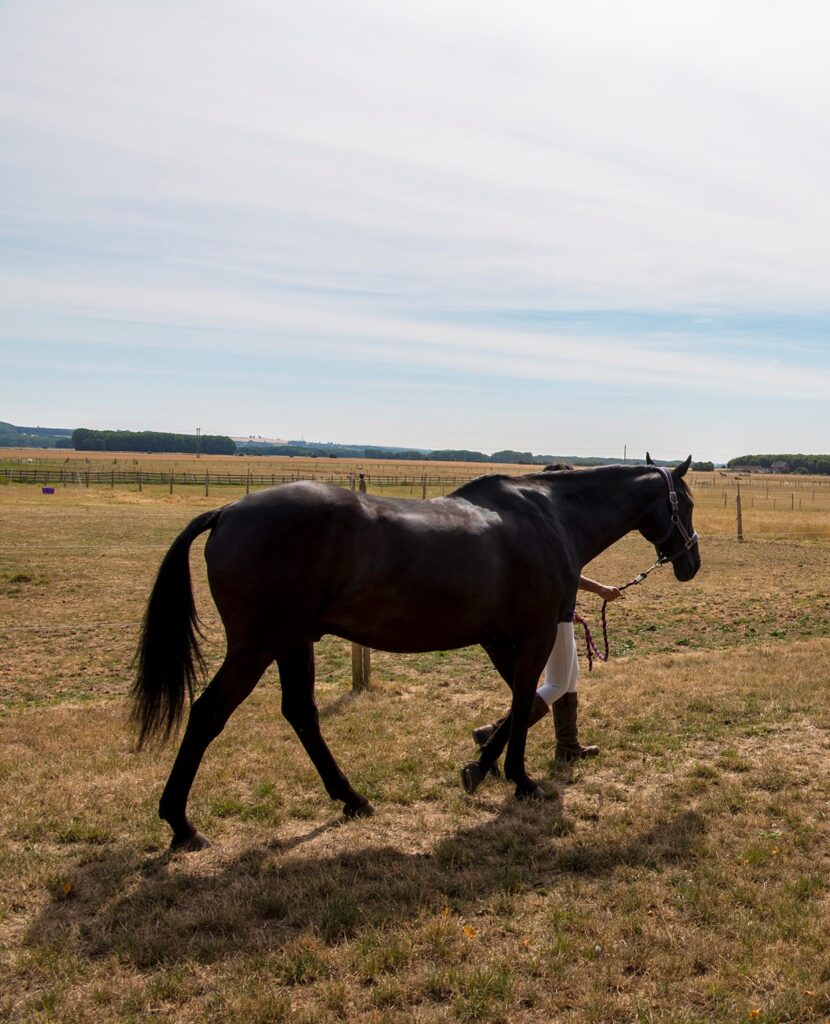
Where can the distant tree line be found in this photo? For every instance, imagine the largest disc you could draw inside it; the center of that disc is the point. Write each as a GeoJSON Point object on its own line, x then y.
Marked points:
{"type": "Point", "coordinates": [818, 465]}
{"type": "Point", "coordinates": [314, 449]}
{"type": "Point", "coordinates": [297, 451]}
{"type": "Point", "coordinates": [507, 457]}
{"type": "Point", "coordinates": [84, 440]}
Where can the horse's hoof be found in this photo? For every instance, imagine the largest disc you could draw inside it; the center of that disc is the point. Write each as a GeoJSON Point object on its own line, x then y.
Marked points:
{"type": "Point", "coordinates": [532, 792]}
{"type": "Point", "coordinates": [495, 771]}
{"type": "Point", "coordinates": [189, 844]}
{"type": "Point", "coordinates": [359, 809]}
{"type": "Point", "coordinates": [472, 777]}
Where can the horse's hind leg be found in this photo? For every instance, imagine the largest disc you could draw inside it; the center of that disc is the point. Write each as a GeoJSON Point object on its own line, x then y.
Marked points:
{"type": "Point", "coordinates": [239, 674]}
{"type": "Point", "coordinates": [296, 667]}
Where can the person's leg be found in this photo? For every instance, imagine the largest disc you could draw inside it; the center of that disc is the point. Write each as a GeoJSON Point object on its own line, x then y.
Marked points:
{"type": "Point", "coordinates": [566, 705]}
{"type": "Point", "coordinates": [562, 668]}
{"type": "Point", "coordinates": [559, 670]}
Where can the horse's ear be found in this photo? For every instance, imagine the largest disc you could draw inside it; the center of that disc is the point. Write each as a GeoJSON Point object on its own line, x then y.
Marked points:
{"type": "Point", "coordinates": [682, 469]}
{"type": "Point", "coordinates": [649, 460]}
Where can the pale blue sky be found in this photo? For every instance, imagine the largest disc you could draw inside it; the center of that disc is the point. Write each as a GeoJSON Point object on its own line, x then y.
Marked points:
{"type": "Point", "coordinates": [546, 226]}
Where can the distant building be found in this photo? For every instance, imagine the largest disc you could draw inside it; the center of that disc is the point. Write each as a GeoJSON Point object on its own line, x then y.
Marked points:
{"type": "Point", "coordinates": [258, 439]}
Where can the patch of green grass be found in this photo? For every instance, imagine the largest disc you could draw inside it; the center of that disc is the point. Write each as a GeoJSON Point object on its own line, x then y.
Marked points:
{"type": "Point", "coordinates": [774, 780]}
{"type": "Point", "coordinates": [732, 761]}
{"type": "Point", "coordinates": [481, 994]}
{"type": "Point", "coordinates": [376, 953]}
{"type": "Point", "coordinates": [340, 917]}
{"type": "Point", "coordinates": [301, 962]}
{"type": "Point", "coordinates": [227, 807]}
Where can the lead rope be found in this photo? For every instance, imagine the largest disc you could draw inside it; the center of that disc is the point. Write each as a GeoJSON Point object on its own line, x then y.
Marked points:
{"type": "Point", "coordinates": [591, 649]}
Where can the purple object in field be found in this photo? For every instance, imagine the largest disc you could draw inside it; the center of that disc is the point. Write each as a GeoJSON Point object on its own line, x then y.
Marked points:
{"type": "Point", "coordinates": [47, 490]}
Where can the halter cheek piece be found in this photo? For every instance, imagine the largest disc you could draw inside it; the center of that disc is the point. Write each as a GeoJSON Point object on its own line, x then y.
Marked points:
{"type": "Point", "coordinates": [675, 523]}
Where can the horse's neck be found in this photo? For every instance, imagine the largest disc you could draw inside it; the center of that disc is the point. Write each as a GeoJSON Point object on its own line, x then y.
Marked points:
{"type": "Point", "coordinates": [599, 510]}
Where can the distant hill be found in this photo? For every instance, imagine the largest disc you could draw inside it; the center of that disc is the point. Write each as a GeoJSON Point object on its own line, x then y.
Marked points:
{"type": "Point", "coordinates": [34, 437]}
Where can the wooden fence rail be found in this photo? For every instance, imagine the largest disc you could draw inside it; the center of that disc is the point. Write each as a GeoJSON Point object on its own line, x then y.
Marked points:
{"type": "Point", "coordinates": [144, 477]}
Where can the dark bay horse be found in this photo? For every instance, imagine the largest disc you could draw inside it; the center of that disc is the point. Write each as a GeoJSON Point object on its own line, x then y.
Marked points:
{"type": "Point", "coordinates": [495, 563]}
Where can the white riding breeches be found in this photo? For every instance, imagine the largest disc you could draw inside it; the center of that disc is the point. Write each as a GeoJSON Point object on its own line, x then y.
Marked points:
{"type": "Point", "coordinates": [562, 668]}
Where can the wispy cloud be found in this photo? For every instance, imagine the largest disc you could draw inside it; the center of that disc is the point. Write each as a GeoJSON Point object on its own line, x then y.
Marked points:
{"type": "Point", "coordinates": [403, 186]}
{"type": "Point", "coordinates": [251, 324]}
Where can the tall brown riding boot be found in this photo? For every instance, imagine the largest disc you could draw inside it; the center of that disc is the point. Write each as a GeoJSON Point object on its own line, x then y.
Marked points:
{"type": "Point", "coordinates": [537, 712]}
{"type": "Point", "coordinates": [568, 747]}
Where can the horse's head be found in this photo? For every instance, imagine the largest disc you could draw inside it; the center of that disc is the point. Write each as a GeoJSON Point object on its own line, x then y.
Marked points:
{"type": "Point", "coordinates": [668, 522]}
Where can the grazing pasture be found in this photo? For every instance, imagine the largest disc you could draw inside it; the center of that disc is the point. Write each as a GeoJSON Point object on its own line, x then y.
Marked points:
{"type": "Point", "coordinates": [682, 876]}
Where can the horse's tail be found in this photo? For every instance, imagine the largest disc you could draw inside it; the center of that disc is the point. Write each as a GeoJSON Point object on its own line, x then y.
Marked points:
{"type": "Point", "coordinates": [168, 660]}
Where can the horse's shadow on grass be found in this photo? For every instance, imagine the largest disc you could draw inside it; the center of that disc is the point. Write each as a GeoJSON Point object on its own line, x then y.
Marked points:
{"type": "Point", "coordinates": [125, 903]}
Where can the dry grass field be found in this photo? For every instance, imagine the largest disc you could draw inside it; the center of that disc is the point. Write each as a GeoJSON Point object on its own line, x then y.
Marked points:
{"type": "Point", "coordinates": [683, 876]}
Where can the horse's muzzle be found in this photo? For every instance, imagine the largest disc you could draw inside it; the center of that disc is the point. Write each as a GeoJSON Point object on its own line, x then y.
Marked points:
{"type": "Point", "coordinates": [686, 567]}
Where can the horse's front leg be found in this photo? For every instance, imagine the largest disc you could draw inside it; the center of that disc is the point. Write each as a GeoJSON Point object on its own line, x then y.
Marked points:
{"type": "Point", "coordinates": [514, 761]}
{"type": "Point", "coordinates": [527, 669]}
{"type": "Point", "coordinates": [520, 667]}
{"type": "Point", "coordinates": [503, 657]}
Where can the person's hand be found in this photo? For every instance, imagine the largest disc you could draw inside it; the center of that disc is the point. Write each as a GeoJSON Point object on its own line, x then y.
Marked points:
{"type": "Point", "coordinates": [610, 593]}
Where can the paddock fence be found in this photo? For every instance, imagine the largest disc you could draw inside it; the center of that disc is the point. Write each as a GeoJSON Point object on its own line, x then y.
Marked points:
{"type": "Point", "coordinates": [178, 478]}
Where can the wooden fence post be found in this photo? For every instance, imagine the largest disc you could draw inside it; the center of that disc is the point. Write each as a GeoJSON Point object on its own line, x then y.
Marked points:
{"type": "Point", "coordinates": [424, 486]}
{"type": "Point", "coordinates": [361, 667]}
{"type": "Point", "coordinates": [740, 520]}
{"type": "Point", "coordinates": [171, 481]}
{"type": "Point", "coordinates": [207, 483]}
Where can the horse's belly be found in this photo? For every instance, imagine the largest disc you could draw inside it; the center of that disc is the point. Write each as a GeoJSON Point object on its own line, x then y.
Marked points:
{"type": "Point", "coordinates": [416, 619]}
{"type": "Point", "coordinates": [406, 638]}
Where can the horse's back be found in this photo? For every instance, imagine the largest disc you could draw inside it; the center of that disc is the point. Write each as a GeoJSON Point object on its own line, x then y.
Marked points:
{"type": "Point", "coordinates": [343, 532]}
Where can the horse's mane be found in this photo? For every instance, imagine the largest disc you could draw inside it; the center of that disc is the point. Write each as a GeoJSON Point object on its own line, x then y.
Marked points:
{"type": "Point", "coordinates": [489, 483]}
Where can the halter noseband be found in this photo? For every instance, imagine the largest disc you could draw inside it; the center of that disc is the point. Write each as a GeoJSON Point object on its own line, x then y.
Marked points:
{"type": "Point", "coordinates": [675, 524]}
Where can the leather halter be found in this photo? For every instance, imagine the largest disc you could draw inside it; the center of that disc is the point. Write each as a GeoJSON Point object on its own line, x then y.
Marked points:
{"type": "Point", "coordinates": [689, 541]}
